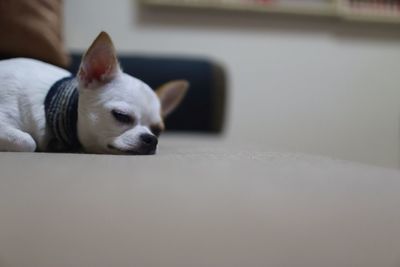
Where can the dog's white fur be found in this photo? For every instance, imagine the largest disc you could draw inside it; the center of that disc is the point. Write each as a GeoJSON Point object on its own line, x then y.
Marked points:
{"type": "Point", "coordinates": [103, 87]}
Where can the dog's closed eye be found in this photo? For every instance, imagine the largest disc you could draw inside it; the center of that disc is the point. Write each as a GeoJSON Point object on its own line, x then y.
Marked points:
{"type": "Point", "coordinates": [122, 117]}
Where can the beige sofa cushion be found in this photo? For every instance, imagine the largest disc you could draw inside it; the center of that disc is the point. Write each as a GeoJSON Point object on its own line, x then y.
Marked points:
{"type": "Point", "coordinates": [198, 202]}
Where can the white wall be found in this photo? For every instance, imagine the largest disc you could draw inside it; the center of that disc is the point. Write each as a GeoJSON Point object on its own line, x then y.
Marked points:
{"type": "Point", "coordinates": [308, 85]}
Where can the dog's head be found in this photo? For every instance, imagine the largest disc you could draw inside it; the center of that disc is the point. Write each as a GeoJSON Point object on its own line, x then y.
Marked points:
{"type": "Point", "coordinates": [118, 113]}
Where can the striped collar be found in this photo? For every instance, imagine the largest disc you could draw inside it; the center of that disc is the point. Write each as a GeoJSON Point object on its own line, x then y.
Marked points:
{"type": "Point", "coordinates": [61, 109]}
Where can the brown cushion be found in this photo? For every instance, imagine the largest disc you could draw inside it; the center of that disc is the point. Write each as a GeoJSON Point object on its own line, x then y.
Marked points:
{"type": "Point", "coordinates": [32, 28]}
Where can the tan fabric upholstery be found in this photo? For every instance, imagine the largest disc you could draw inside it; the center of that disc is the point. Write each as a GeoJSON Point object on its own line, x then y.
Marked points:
{"type": "Point", "coordinates": [198, 202]}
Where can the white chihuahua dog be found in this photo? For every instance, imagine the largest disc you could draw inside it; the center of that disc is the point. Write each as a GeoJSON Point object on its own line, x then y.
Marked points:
{"type": "Point", "coordinates": [102, 110]}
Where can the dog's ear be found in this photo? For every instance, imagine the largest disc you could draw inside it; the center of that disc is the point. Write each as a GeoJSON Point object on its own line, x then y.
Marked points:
{"type": "Point", "coordinates": [171, 94]}
{"type": "Point", "coordinates": [99, 64]}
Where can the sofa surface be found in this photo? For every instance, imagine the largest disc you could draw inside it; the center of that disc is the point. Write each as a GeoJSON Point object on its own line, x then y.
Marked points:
{"type": "Point", "coordinates": [198, 202]}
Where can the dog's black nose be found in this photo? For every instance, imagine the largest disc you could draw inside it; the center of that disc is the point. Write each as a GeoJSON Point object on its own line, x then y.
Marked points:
{"type": "Point", "coordinates": [149, 140]}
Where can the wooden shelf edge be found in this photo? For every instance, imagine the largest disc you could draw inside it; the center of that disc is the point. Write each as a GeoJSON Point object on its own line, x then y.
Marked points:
{"type": "Point", "coordinates": [330, 10]}
{"type": "Point", "coordinates": [338, 10]}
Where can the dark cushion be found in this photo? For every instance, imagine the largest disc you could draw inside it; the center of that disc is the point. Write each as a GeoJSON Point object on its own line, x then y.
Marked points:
{"type": "Point", "coordinates": [203, 108]}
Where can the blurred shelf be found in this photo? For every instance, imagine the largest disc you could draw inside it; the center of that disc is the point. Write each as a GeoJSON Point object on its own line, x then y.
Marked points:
{"type": "Point", "coordinates": [326, 8]}
{"type": "Point", "coordinates": [383, 11]}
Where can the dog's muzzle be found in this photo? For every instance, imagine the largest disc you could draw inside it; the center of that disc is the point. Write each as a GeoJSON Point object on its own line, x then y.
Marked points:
{"type": "Point", "coordinates": [147, 146]}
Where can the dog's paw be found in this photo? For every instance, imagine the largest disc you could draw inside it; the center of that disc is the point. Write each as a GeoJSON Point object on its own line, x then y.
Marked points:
{"type": "Point", "coordinates": [17, 141]}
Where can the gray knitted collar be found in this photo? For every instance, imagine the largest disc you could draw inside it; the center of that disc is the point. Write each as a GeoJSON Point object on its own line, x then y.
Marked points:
{"type": "Point", "coordinates": [61, 109]}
